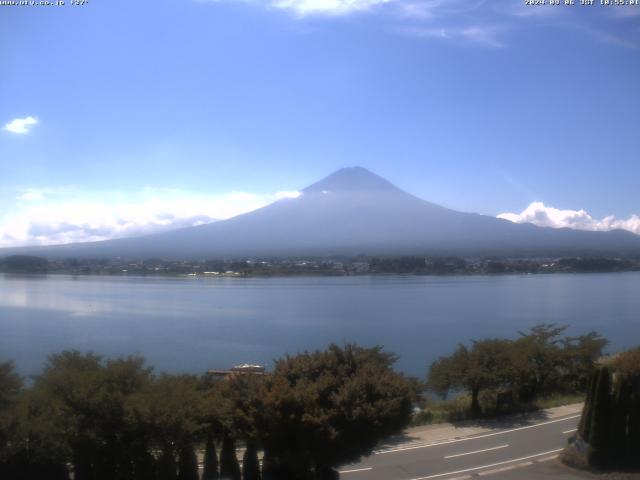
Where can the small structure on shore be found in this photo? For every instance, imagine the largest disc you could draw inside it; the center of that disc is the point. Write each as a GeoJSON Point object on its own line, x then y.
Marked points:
{"type": "Point", "coordinates": [236, 370]}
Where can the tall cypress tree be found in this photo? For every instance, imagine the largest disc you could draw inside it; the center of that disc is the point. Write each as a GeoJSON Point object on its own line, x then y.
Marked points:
{"type": "Point", "coordinates": [166, 465]}
{"type": "Point", "coordinates": [144, 466]}
{"type": "Point", "coordinates": [229, 467]}
{"type": "Point", "coordinates": [587, 412]}
{"type": "Point", "coordinates": [326, 473]}
{"type": "Point", "coordinates": [269, 468]}
{"type": "Point", "coordinates": [36, 471]}
{"type": "Point", "coordinates": [250, 465]}
{"type": "Point", "coordinates": [633, 437]}
{"type": "Point", "coordinates": [82, 467]}
{"type": "Point", "coordinates": [600, 421]}
{"type": "Point", "coordinates": [619, 422]}
{"type": "Point", "coordinates": [187, 464]}
{"type": "Point", "coordinates": [210, 459]}
{"type": "Point", "coordinates": [611, 417]}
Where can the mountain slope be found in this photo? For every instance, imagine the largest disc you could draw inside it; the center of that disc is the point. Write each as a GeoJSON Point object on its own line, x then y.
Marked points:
{"type": "Point", "coordinates": [354, 211]}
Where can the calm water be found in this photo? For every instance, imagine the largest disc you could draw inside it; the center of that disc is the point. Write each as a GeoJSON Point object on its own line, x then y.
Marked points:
{"type": "Point", "coordinates": [193, 324]}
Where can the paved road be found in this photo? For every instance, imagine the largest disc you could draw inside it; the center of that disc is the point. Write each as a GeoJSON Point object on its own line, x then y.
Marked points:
{"type": "Point", "coordinates": [550, 471]}
{"type": "Point", "coordinates": [485, 453]}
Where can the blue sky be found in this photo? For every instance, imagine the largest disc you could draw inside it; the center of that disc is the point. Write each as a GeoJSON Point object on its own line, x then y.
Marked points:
{"type": "Point", "coordinates": [126, 117]}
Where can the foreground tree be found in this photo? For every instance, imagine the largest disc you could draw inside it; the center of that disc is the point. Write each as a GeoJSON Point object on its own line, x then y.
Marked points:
{"type": "Point", "coordinates": [167, 413]}
{"type": "Point", "coordinates": [239, 409]}
{"type": "Point", "coordinates": [188, 464]}
{"type": "Point", "coordinates": [580, 357]}
{"type": "Point", "coordinates": [599, 440]}
{"type": "Point", "coordinates": [210, 471]}
{"type": "Point", "coordinates": [10, 385]}
{"type": "Point", "coordinates": [93, 398]}
{"type": "Point", "coordinates": [543, 360]}
{"type": "Point", "coordinates": [166, 465]}
{"type": "Point", "coordinates": [115, 420]}
{"type": "Point", "coordinates": [485, 365]}
{"type": "Point", "coordinates": [229, 466]}
{"type": "Point", "coordinates": [76, 413]}
{"type": "Point", "coordinates": [30, 445]}
{"type": "Point", "coordinates": [537, 358]}
{"type": "Point", "coordinates": [326, 408]}
{"type": "Point", "coordinates": [250, 463]}
{"type": "Point", "coordinates": [539, 361]}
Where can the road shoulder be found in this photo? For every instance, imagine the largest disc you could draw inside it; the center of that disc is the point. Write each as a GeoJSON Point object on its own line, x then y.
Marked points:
{"type": "Point", "coordinates": [442, 432]}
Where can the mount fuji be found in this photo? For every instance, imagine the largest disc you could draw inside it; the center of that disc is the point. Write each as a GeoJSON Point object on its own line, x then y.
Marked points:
{"type": "Point", "coordinates": [353, 211]}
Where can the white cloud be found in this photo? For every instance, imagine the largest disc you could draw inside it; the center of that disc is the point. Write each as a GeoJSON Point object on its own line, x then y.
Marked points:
{"type": "Point", "coordinates": [476, 34]}
{"type": "Point", "coordinates": [419, 10]}
{"type": "Point", "coordinates": [31, 196]}
{"type": "Point", "coordinates": [74, 219]}
{"type": "Point", "coordinates": [469, 22]}
{"type": "Point", "coordinates": [331, 7]}
{"type": "Point", "coordinates": [626, 11]}
{"type": "Point", "coordinates": [318, 7]}
{"type": "Point", "coordinates": [20, 125]}
{"type": "Point", "coordinates": [543, 216]}
{"type": "Point", "coordinates": [287, 194]}
{"type": "Point", "coordinates": [610, 38]}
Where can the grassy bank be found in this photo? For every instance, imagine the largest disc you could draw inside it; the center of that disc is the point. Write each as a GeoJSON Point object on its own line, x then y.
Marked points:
{"type": "Point", "coordinates": [458, 409]}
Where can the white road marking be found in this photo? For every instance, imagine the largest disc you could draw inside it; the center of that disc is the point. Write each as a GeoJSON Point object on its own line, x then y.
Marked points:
{"type": "Point", "coordinates": [466, 439]}
{"type": "Point", "coordinates": [477, 451]}
{"type": "Point", "coordinates": [488, 466]}
{"type": "Point", "coordinates": [356, 470]}
{"type": "Point", "coordinates": [513, 467]}
{"type": "Point", "coordinates": [570, 431]}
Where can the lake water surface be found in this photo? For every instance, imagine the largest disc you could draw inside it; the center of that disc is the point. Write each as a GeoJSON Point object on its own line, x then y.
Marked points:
{"type": "Point", "coordinates": [191, 324]}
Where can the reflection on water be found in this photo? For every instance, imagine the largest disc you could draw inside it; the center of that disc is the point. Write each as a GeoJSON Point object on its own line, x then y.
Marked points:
{"type": "Point", "coordinates": [192, 324]}
{"type": "Point", "coordinates": [22, 292]}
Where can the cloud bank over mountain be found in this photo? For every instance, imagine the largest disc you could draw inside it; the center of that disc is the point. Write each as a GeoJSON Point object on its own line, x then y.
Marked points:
{"type": "Point", "coordinates": [543, 216]}
{"type": "Point", "coordinates": [48, 217]}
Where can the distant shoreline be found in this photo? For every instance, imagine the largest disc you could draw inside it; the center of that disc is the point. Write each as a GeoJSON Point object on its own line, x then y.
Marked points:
{"type": "Point", "coordinates": [319, 267]}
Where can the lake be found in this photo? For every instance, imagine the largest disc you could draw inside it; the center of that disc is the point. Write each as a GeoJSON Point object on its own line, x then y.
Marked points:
{"type": "Point", "coordinates": [192, 324]}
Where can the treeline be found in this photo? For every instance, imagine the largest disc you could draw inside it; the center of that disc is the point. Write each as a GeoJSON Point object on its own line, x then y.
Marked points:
{"type": "Point", "coordinates": [319, 266]}
{"type": "Point", "coordinates": [24, 264]}
{"type": "Point", "coordinates": [420, 265]}
{"type": "Point", "coordinates": [499, 373]}
{"type": "Point", "coordinates": [114, 419]}
{"type": "Point", "coordinates": [488, 266]}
